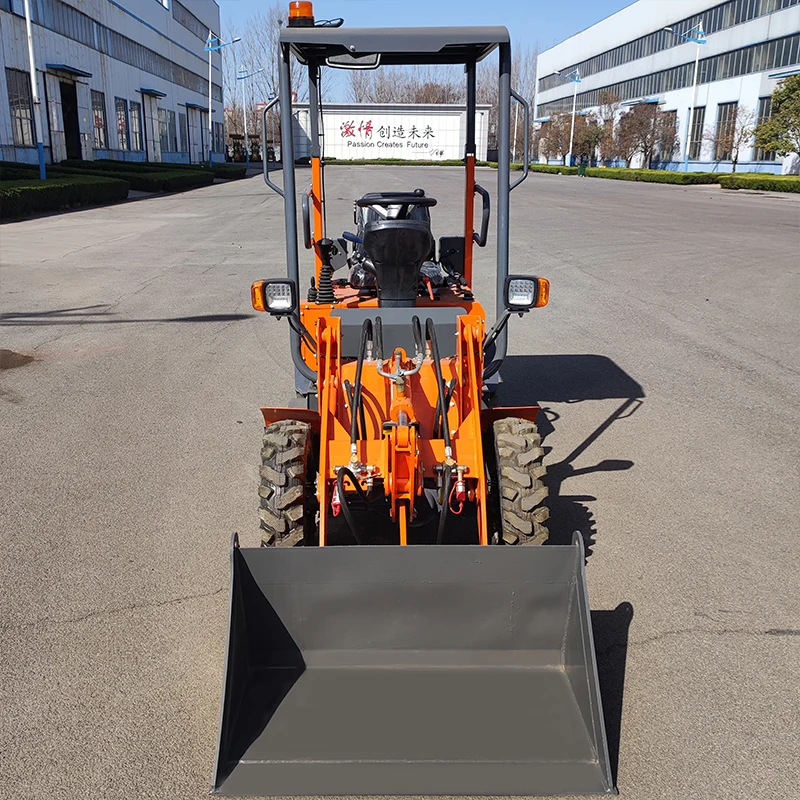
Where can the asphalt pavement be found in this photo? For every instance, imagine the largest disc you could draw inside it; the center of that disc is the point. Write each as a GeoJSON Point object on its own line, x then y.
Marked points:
{"type": "Point", "coordinates": [668, 362]}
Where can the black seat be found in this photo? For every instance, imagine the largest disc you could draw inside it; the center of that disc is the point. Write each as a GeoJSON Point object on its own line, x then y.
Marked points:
{"type": "Point", "coordinates": [397, 239]}
{"type": "Point", "coordinates": [397, 248]}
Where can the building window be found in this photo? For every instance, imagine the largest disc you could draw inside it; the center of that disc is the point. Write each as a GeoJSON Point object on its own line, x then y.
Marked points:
{"type": "Point", "coordinates": [19, 101]}
{"type": "Point", "coordinates": [696, 136]}
{"type": "Point", "coordinates": [136, 126]}
{"type": "Point", "coordinates": [219, 143]}
{"type": "Point", "coordinates": [183, 127]}
{"type": "Point", "coordinates": [726, 124]}
{"type": "Point", "coordinates": [189, 20]}
{"type": "Point", "coordinates": [720, 17]}
{"type": "Point", "coordinates": [99, 116]}
{"type": "Point", "coordinates": [754, 58]}
{"type": "Point", "coordinates": [123, 138]}
{"type": "Point", "coordinates": [163, 130]}
{"type": "Point", "coordinates": [173, 132]}
{"type": "Point", "coordinates": [669, 130]}
{"type": "Point", "coordinates": [764, 113]}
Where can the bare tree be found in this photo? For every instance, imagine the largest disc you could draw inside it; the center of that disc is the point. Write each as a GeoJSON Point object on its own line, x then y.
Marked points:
{"type": "Point", "coordinates": [609, 105]}
{"type": "Point", "coordinates": [732, 135]}
{"type": "Point", "coordinates": [626, 142]}
{"type": "Point", "coordinates": [554, 136]}
{"type": "Point", "coordinates": [588, 135]}
{"type": "Point", "coordinates": [643, 130]}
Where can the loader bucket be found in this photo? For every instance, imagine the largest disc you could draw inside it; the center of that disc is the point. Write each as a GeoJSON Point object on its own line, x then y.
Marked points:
{"type": "Point", "coordinates": [458, 670]}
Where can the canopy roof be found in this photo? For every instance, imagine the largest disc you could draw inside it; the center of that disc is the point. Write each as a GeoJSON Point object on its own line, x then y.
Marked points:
{"type": "Point", "coordinates": [443, 45]}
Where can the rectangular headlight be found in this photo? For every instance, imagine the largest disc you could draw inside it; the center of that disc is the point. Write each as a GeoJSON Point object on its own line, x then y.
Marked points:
{"type": "Point", "coordinates": [279, 297]}
{"type": "Point", "coordinates": [524, 292]}
{"type": "Point", "coordinates": [274, 296]}
{"type": "Point", "coordinates": [521, 293]}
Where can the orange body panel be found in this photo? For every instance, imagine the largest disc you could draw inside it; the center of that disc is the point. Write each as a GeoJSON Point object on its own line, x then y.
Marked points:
{"type": "Point", "coordinates": [398, 447]}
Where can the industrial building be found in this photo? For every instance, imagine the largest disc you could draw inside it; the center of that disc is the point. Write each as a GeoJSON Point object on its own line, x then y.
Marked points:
{"type": "Point", "coordinates": [414, 132]}
{"type": "Point", "coordinates": [124, 79]}
{"type": "Point", "coordinates": [747, 47]}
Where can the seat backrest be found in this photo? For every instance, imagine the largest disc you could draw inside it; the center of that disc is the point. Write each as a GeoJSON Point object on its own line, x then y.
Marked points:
{"type": "Point", "coordinates": [397, 249]}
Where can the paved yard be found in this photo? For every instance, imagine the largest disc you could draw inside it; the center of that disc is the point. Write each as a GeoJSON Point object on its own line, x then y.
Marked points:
{"type": "Point", "coordinates": [668, 365]}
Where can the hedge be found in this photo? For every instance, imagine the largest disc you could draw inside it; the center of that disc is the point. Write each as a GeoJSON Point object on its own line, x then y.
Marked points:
{"type": "Point", "coordinates": [22, 197]}
{"type": "Point", "coordinates": [652, 175]}
{"type": "Point", "coordinates": [228, 171]}
{"type": "Point", "coordinates": [142, 181]}
{"type": "Point", "coordinates": [764, 183]}
{"type": "Point", "coordinates": [552, 169]}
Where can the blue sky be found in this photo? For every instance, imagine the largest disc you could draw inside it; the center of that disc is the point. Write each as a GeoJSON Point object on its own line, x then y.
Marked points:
{"type": "Point", "coordinates": [530, 21]}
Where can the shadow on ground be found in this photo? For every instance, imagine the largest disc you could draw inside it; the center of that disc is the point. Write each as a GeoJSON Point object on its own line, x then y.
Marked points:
{"type": "Point", "coordinates": [543, 379]}
{"type": "Point", "coordinates": [610, 630]}
{"type": "Point", "coordinates": [99, 315]}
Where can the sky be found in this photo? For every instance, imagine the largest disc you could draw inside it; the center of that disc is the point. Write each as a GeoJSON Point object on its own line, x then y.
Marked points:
{"type": "Point", "coordinates": [531, 22]}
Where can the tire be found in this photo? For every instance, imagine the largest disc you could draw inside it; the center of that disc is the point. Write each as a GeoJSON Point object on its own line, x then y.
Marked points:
{"type": "Point", "coordinates": [521, 494]}
{"type": "Point", "coordinates": [287, 510]}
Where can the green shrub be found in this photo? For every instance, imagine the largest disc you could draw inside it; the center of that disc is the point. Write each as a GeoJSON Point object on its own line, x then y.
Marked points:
{"type": "Point", "coordinates": [9, 174]}
{"type": "Point", "coordinates": [652, 175]}
{"type": "Point", "coordinates": [22, 197]}
{"type": "Point", "coordinates": [763, 183]}
{"type": "Point", "coordinates": [166, 180]}
{"type": "Point", "coordinates": [551, 169]}
{"type": "Point", "coordinates": [227, 171]}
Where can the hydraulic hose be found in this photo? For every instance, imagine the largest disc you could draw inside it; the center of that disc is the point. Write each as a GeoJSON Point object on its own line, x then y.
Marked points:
{"type": "Point", "coordinates": [417, 328]}
{"type": "Point", "coordinates": [356, 405]}
{"type": "Point", "coordinates": [448, 394]}
{"type": "Point", "coordinates": [348, 515]}
{"type": "Point", "coordinates": [430, 332]}
{"type": "Point", "coordinates": [448, 485]}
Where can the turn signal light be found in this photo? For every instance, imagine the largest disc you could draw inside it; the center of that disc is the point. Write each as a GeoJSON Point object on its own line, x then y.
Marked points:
{"type": "Point", "coordinates": [257, 296]}
{"type": "Point", "coordinates": [301, 13]}
{"type": "Point", "coordinates": [542, 293]}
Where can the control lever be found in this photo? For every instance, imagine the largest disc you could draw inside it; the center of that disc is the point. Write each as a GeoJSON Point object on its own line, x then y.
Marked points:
{"type": "Point", "coordinates": [325, 293]}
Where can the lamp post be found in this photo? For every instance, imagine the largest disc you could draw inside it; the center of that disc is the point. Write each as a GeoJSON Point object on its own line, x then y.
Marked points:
{"type": "Point", "coordinates": [699, 39]}
{"type": "Point", "coordinates": [213, 43]}
{"type": "Point", "coordinates": [243, 77]}
{"type": "Point", "coordinates": [575, 77]}
{"type": "Point", "coordinates": [37, 106]}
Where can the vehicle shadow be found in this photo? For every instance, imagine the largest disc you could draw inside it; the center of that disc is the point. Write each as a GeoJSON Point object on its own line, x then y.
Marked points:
{"type": "Point", "coordinates": [543, 379]}
{"type": "Point", "coordinates": [99, 314]}
{"type": "Point", "coordinates": [610, 629]}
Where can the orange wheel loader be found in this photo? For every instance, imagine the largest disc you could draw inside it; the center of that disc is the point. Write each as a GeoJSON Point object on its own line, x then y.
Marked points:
{"type": "Point", "coordinates": [404, 628]}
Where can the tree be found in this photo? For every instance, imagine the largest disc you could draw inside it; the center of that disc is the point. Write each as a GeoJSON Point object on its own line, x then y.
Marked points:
{"type": "Point", "coordinates": [554, 136]}
{"type": "Point", "coordinates": [626, 141]}
{"type": "Point", "coordinates": [732, 135]}
{"type": "Point", "coordinates": [643, 130]}
{"type": "Point", "coordinates": [588, 134]}
{"type": "Point", "coordinates": [780, 133]}
{"type": "Point", "coordinates": [608, 109]}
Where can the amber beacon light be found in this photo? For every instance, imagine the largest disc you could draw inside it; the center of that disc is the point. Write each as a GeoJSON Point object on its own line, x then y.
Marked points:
{"type": "Point", "coordinates": [301, 14]}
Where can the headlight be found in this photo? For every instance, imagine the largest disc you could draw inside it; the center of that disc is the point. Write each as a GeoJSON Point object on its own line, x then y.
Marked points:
{"type": "Point", "coordinates": [274, 297]}
{"type": "Point", "coordinates": [524, 292]}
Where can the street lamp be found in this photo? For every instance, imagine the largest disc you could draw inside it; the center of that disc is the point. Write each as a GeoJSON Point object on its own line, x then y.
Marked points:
{"type": "Point", "coordinates": [37, 109]}
{"type": "Point", "coordinates": [213, 43]}
{"type": "Point", "coordinates": [243, 77]}
{"type": "Point", "coordinates": [575, 77]}
{"type": "Point", "coordinates": [699, 39]}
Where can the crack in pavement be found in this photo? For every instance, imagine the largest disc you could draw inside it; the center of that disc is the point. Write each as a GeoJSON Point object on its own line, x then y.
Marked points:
{"type": "Point", "coordinates": [777, 632]}
{"type": "Point", "coordinates": [102, 612]}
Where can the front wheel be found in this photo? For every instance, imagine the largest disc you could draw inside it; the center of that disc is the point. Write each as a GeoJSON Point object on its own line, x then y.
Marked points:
{"type": "Point", "coordinates": [521, 494]}
{"type": "Point", "coordinates": [287, 511]}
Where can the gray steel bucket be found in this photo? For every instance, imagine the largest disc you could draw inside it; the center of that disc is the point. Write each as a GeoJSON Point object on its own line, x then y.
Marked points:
{"type": "Point", "coordinates": [449, 670]}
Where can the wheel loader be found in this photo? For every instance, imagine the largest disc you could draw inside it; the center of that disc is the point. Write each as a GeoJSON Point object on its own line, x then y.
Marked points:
{"type": "Point", "coordinates": [404, 629]}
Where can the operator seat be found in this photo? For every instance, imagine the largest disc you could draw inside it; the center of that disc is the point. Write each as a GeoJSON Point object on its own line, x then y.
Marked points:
{"type": "Point", "coordinates": [397, 239]}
